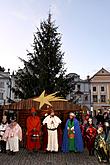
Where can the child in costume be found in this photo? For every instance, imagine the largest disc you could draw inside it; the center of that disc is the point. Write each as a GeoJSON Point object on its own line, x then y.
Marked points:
{"type": "Point", "coordinates": [91, 133]}
{"type": "Point", "coordinates": [108, 143]}
{"type": "Point", "coordinates": [12, 136]}
{"type": "Point", "coordinates": [101, 146]}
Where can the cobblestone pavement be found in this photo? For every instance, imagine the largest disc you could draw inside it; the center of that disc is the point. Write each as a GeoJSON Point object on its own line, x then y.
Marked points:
{"type": "Point", "coordinates": [25, 158]}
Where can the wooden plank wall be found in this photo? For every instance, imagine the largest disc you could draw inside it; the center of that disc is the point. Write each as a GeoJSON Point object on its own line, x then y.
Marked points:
{"type": "Point", "coordinates": [27, 104]}
{"type": "Point", "coordinates": [23, 107]}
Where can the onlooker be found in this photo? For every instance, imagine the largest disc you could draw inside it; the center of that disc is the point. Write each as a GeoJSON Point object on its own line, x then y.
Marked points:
{"type": "Point", "coordinates": [106, 124]}
{"type": "Point", "coordinates": [99, 117]}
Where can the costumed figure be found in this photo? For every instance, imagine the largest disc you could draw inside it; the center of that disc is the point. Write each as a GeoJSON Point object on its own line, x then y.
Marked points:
{"type": "Point", "coordinates": [84, 128]}
{"type": "Point", "coordinates": [108, 143]}
{"type": "Point", "coordinates": [101, 146]}
{"type": "Point", "coordinates": [52, 122]}
{"type": "Point", "coordinates": [33, 131]}
{"type": "Point", "coordinates": [12, 135]}
{"type": "Point", "coordinates": [72, 137]}
{"type": "Point", "coordinates": [3, 127]}
{"type": "Point", "coordinates": [91, 133]}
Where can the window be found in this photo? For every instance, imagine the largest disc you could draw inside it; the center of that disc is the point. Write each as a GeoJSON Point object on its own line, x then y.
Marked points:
{"type": "Point", "coordinates": [86, 98]}
{"type": "Point", "coordinates": [102, 89]}
{"type": "Point", "coordinates": [95, 98]}
{"type": "Point", "coordinates": [1, 84]}
{"type": "Point", "coordinates": [94, 89]}
{"type": "Point", "coordinates": [78, 87]}
{"type": "Point", "coordinates": [103, 98]}
{"type": "Point", "coordinates": [1, 96]}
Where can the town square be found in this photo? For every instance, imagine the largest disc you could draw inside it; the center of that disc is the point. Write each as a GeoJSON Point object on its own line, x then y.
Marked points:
{"type": "Point", "coordinates": [23, 158]}
{"type": "Point", "coordinates": [54, 82]}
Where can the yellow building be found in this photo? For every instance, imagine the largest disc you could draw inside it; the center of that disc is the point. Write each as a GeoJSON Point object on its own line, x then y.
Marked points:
{"type": "Point", "coordinates": [100, 90]}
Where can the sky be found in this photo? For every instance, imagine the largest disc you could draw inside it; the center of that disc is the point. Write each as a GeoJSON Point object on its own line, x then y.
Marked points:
{"type": "Point", "coordinates": [84, 25]}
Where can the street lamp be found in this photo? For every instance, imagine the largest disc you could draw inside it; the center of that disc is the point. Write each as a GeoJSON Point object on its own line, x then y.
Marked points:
{"type": "Point", "coordinates": [92, 111]}
{"type": "Point", "coordinates": [10, 86]}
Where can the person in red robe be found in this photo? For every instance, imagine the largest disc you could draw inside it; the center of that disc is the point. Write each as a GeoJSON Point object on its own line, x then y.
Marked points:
{"type": "Point", "coordinates": [33, 131]}
{"type": "Point", "coordinates": [91, 133]}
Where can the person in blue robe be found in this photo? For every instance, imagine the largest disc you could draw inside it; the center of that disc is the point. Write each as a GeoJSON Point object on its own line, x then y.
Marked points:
{"type": "Point", "coordinates": [78, 141]}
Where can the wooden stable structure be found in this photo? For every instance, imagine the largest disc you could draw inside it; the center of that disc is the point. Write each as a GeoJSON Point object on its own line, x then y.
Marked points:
{"type": "Point", "coordinates": [23, 107]}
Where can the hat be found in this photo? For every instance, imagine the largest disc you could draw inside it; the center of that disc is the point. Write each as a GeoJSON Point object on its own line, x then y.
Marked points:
{"type": "Point", "coordinates": [13, 118]}
{"type": "Point", "coordinates": [100, 130]}
{"type": "Point", "coordinates": [46, 114]}
{"type": "Point", "coordinates": [72, 114]}
{"type": "Point", "coordinates": [4, 119]}
{"type": "Point", "coordinates": [90, 119]}
{"type": "Point", "coordinates": [33, 110]}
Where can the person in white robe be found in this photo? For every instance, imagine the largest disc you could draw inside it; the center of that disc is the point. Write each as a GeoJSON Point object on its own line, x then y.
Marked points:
{"type": "Point", "coordinates": [52, 123]}
{"type": "Point", "coordinates": [12, 135]}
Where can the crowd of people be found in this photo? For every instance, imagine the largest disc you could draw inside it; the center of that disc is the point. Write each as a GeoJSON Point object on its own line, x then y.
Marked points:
{"type": "Point", "coordinates": [95, 133]}
{"type": "Point", "coordinates": [48, 135]}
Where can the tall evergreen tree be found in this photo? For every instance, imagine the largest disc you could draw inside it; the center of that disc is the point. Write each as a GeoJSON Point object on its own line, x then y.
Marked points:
{"type": "Point", "coordinates": [44, 69]}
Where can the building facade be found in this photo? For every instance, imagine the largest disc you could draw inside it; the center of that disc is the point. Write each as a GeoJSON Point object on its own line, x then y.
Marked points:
{"type": "Point", "coordinates": [6, 84]}
{"type": "Point", "coordinates": [100, 90]}
{"type": "Point", "coordinates": [81, 91]}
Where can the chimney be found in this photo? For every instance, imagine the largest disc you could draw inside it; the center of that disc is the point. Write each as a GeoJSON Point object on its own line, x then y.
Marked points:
{"type": "Point", "coordinates": [88, 77]}
{"type": "Point", "coordinates": [8, 70]}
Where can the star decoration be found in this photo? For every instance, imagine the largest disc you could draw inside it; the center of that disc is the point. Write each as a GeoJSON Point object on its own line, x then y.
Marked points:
{"type": "Point", "coordinates": [42, 99]}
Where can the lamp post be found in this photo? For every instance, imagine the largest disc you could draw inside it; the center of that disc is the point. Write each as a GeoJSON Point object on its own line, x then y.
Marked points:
{"type": "Point", "coordinates": [10, 86]}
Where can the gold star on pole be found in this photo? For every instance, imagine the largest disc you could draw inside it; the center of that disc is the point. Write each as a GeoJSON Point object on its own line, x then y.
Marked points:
{"type": "Point", "coordinates": [42, 99]}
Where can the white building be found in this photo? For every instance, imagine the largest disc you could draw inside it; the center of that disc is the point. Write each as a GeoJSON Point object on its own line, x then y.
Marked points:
{"type": "Point", "coordinates": [100, 90]}
{"type": "Point", "coordinates": [81, 91]}
{"type": "Point", "coordinates": [6, 85]}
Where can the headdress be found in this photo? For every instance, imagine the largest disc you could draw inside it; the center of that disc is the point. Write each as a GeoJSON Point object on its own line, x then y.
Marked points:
{"type": "Point", "coordinates": [72, 114]}
{"type": "Point", "coordinates": [33, 110]}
